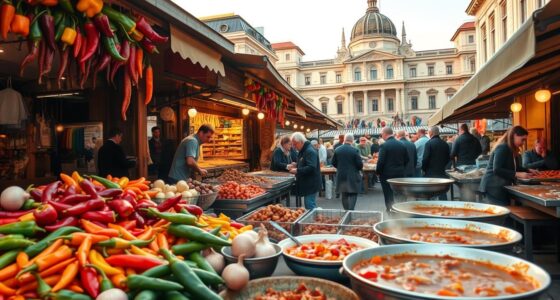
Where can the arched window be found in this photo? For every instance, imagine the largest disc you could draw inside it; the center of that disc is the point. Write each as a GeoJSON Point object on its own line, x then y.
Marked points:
{"type": "Point", "coordinates": [324, 104]}
{"type": "Point", "coordinates": [357, 74]}
{"type": "Point", "coordinates": [373, 73]}
{"type": "Point", "coordinates": [389, 74]}
{"type": "Point", "coordinates": [339, 104]}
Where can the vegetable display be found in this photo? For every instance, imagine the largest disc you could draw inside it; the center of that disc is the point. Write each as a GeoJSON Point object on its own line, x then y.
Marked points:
{"type": "Point", "coordinates": [87, 236]}
{"type": "Point", "coordinates": [234, 190]}
{"type": "Point", "coordinates": [96, 35]}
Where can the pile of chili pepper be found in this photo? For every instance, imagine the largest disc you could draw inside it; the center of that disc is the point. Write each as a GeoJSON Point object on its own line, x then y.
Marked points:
{"type": "Point", "coordinates": [97, 36]}
{"type": "Point", "coordinates": [82, 235]}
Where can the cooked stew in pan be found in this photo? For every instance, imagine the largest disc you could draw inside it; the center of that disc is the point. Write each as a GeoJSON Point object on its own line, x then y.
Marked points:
{"type": "Point", "coordinates": [453, 211]}
{"type": "Point", "coordinates": [324, 250]}
{"type": "Point", "coordinates": [448, 236]}
{"type": "Point", "coordinates": [444, 276]}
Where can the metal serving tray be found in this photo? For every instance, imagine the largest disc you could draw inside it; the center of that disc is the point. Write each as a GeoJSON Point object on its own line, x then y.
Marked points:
{"type": "Point", "coordinates": [360, 224]}
{"type": "Point", "coordinates": [240, 203]}
{"type": "Point", "coordinates": [273, 233]}
{"type": "Point", "coordinates": [310, 224]}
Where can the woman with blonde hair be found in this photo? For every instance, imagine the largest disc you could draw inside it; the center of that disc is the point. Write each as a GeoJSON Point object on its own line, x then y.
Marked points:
{"type": "Point", "coordinates": [281, 158]}
{"type": "Point", "coordinates": [504, 166]}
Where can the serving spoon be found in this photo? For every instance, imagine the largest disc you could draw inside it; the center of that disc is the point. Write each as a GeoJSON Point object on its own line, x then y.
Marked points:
{"type": "Point", "coordinates": [281, 229]}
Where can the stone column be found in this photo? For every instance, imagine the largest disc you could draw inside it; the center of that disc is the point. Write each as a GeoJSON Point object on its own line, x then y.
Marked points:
{"type": "Point", "coordinates": [382, 108]}
{"type": "Point", "coordinates": [398, 100]}
{"type": "Point", "coordinates": [364, 103]}
{"type": "Point", "coordinates": [350, 113]}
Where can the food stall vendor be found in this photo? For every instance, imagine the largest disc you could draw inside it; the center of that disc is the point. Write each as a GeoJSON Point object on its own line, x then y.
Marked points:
{"type": "Point", "coordinates": [539, 157]}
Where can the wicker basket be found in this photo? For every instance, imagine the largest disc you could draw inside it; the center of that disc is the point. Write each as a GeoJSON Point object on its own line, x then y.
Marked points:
{"type": "Point", "coordinates": [205, 201]}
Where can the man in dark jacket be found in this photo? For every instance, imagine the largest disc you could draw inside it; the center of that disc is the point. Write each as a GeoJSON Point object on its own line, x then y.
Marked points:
{"type": "Point", "coordinates": [111, 158]}
{"type": "Point", "coordinates": [540, 158]}
{"type": "Point", "coordinates": [391, 163]}
{"type": "Point", "coordinates": [436, 157]}
{"type": "Point", "coordinates": [308, 170]}
{"type": "Point", "coordinates": [411, 150]}
{"type": "Point", "coordinates": [466, 148]}
{"type": "Point", "coordinates": [348, 164]}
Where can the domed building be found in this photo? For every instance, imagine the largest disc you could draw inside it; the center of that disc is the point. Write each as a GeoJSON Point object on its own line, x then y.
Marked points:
{"type": "Point", "coordinates": [379, 76]}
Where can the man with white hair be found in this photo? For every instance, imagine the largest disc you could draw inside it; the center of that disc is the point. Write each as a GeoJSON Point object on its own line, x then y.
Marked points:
{"type": "Point", "coordinates": [391, 163]}
{"type": "Point", "coordinates": [307, 170]}
{"type": "Point", "coordinates": [348, 164]}
{"type": "Point", "coordinates": [436, 157]}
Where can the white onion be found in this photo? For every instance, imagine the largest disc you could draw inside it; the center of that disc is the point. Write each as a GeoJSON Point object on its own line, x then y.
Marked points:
{"type": "Point", "coordinates": [112, 294]}
{"type": "Point", "coordinates": [159, 184]}
{"type": "Point", "coordinates": [182, 186]}
{"type": "Point", "coordinates": [252, 234]}
{"type": "Point", "coordinates": [236, 275]}
{"type": "Point", "coordinates": [243, 245]}
{"type": "Point", "coordinates": [13, 197]}
{"type": "Point", "coordinates": [216, 260]}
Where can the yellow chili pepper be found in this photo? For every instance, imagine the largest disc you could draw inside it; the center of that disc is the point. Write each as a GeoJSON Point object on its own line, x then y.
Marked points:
{"type": "Point", "coordinates": [123, 182]}
{"type": "Point", "coordinates": [69, 36]}
{"type": "Point", "coordinates": [27, 217]}
{"type": "Point", "coordinates": [138, 251]}
{"type": "Point", "coordinates": [90, 7]}
{"type": "Point", "coordinates": [98, 260]}
{"type": "Point", "coordinates": [76, 176]}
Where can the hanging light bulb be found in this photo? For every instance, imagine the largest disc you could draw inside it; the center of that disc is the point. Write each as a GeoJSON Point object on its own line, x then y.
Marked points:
{"type": "Point", "coordinates": [287, 123]}
{"type": "Point", "coordinates": [260, 116]}
{"type": "Point", "coordinates": [516, 107]}
{"type": "Point", "coordinates": [302, 127]}
{"type": "Point", "coordinates": [192, 112]}
{"type": "Point", "coordinates": [245, 111]}
{"type": "Point", "coordinates": [59, 128]}
{"type": "Point", "coordinates": [295, 126]}
{"type": "Point", "coordinates": [308, 130]}
{"type": "Point", "coordinates": [543, 95]}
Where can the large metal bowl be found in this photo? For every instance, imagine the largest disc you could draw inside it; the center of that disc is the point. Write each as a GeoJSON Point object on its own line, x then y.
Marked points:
{"type": "Point", "coordinates": [420, 187]}
{"type": "Point", "coordinates": [258, 267]}
{"type": "Point", "coordinates": [370, 290]}
{"type": "Point", "coordinates": [386, 232]}
{"type": "Point", "coordinates": [498, 213]}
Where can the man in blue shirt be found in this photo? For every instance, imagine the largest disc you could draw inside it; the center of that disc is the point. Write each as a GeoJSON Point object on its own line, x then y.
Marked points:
{"type": "Point", "coordinates": [187, 154]}
{"type": "Point", "coordinates": [420, 145]}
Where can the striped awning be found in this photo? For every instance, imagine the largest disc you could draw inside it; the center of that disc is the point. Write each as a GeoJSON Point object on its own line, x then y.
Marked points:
{"type": "Point", "coordinates": [376, 131]}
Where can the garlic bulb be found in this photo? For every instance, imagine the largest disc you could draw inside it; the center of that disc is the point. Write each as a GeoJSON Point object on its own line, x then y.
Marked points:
{"type": "Point", "coordinates": [264, 248]}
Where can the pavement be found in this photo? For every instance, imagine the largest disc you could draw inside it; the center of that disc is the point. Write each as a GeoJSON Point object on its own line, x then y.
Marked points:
{"type": "Point", "coordinates": [373, 201]}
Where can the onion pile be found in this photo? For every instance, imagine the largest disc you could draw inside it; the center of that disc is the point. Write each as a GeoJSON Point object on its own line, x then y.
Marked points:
{"type": "Point", "coordinates": [252, 244]}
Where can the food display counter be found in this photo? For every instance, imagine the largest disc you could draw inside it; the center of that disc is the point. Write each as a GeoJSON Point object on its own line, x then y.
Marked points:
{"type": "Point", "coordinates": [545, 197]}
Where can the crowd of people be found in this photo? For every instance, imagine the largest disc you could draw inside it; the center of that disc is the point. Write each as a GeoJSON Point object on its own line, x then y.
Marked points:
{"type": "Point", "coordinates": [425, 154]}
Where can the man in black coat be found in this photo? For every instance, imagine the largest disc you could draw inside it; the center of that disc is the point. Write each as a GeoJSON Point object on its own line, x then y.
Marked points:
{"type": "Point", "coordinates": [348, 164]}
{"type": "Point", "coordinates": [436, 157]}
{"type": "Point", "coordinates": [308, 170]}
{"type": "Point", "coordinates": [111, 157]}
{"type": "Point", "coordinates": [391, 163]}
{"type": "Point", "coordinates": [466, 148]}
{"type": "Point", "coordinates": [411, 150]}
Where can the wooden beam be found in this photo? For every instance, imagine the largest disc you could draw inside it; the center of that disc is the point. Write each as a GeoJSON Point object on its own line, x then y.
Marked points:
{"type": "Point", "coordinates": [142, 139]}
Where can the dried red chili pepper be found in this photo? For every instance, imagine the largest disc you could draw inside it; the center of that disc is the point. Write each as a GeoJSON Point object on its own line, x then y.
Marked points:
{"type": "Point", "coordinates": [146, 29]}
{"type": "Point", "coordinates": [92, 37]}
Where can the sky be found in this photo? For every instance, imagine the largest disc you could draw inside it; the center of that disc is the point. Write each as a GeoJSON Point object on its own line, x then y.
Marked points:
{"type": "Point", "coordinates": [316, 25]}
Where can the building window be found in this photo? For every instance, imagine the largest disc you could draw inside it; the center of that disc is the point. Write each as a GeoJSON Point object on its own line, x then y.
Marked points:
{"type": "Point", "coordinates": [288, 78]}
{"type": "Point", "coordinates": [471, 39]}
{"type": "Point", "coordinates": [449, 69]}
{"type": "Point", "coordinates": [338, 78]}
{"type": "Point", "coordinates": [323, 78]}
{"type": "Point", "coordinates": [287, 56]}
{"type": "Point", "coordinates": [324, 107]}
{"type": "Point", "coordinates": [449, 96]}
{"type": "Point", "coordinates": [390, 104]}
{"type": "Point", "coordinates": [413, 102]}
{"type": "Point", "coordinates": [339, 108]}
{"type": "Point", "coordinates": [374, 105]}
{"type": "Point", "coordinates": [431, 71]}
{"type": "Point", "coordinates": [432, 101]}
{"type": "Point", "coordinates": [503, 11]}
{"type": "Point", "coordinates": [307, 79]}
{"type": "Point", "coordinates": [492, 28]}
{"type": "Point", "coordinates": [472, 63]}
{"type": "Point", "coordinates": [389, 72]}
{"type": "Point", "coordinates": [523, 10]}
{"type": "Point", "coordinates": [357, 75]}
{"type": "Point", "coordinates": [360, 104]}
{"type": "Point", "coordinates": [373, 73]}
{"type": "Point", "coordinates": [413, 72]}
{"type": "Point", "coordinates": [484, 43]}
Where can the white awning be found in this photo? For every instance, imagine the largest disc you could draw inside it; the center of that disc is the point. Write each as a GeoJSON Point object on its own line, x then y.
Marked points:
{"type": "Point", "coordinates": [196, 52]}
{"type": "Point", "coordinates": [515, 53]}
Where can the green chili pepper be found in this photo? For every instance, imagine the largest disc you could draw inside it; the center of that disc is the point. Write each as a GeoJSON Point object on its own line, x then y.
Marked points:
{"type": "Point", "coordinates": [190, 247]}
{"type": "Point", "coordinates": [209, 278]}
{"type": "Point", "coordinates": [11, 243]}
{"type": "Point", "coordinates": [201, 262]}
{"type": "Point", "coordinates": [140, 282]}
{"type": "Point", "coordinates": [60, 29]}
{"type": "Point", "coordinates": [196, 234]}
{"type": "Point", "coordinates": [33, 250]}
{"type": "Point", "coordinates": [146, 295]}
{"type": "Point", "coordinates": [157, 272]}
{"type": "Point", "coordinates": [106, 182]}
{"type": "Point", "coordinates": [8, 258]}
{"type": "Point", "coordinates": [27, 228]}
{"type": "Point", "coordinates": [172, 217]}
{"type": "Point", "coordinates": [43, 288]}
{"type": "Point", "coordinates": [174, 295]}
{"type": "Point", "coordinates": [68, 295]}
{"type": "Point", "coordinates": [117, 17]}
{"type": "Point", "coordinates": [186, 276]}
{"type": "Point", "coordinates": [105, 283]}
{"type": "Point", "coordinates": [67, 6]}
{"type": "Point", "coordinates": [28, 204]}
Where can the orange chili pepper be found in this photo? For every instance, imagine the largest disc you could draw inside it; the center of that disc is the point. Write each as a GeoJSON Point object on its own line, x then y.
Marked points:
{"type": "Point", "coordinates": [22, 259]}
{"type": "Point", "coordinates": [130, 271]}
{"type": "Point", "coordinates": [109, 177]}
{"type": "Point", "coordinates": [67, 276]}
{"type": "Point", "coordinates": [12, 282]}
{"type": "Point", "coordinates": [137, 181]}
{"type": "Point", "coordinates": [136, 190]}
{"type": "Point", "coordinates": [33, 285]}
{"type": "Point", "coordinates": [50, 249]}
{"type": "Point", "coordinates": [124, 233]}
{"type": "Point", "coordinates": [93, 228]}
{"type": "Point", "coordinates": [78, 237]}
{"type": "Point", "coordinates": [27, 217]}
{"type": "Point", "coordinates": [150, 251]}
{"type": "Point", "coordinates": [6, 290]}
{"type": "Point", "coordinates": [147, 234]}
{"type": "Point", "coordinates": [95, 182]}
{"type": "Point", "coordinates": [9, 271]}
{"type": "Point", "coordinates": [83, 250]}
{"type": "Point", "coordinates": [50, 260]}
{"type": "Point", "coordinates": [119, 280]}
{"type": "Point", "coordinates": [152, 194]}
{"type": "Point", "coordinates": [162, 241]}
{"type": "Point", "coordinates": [75, 287]}
{"type": "Point", "coordinates": [143, 252]}
{"type": "Point", "coordinates": [161, 223]}
{"type": "Point", "coordinates": [20, 25]}
{"type": "Point", "coordinates": [149, 85]}
{"type": "Point", "coordinates": [28, 277]}
{"type": "Point", "coordinates": [7, 12]}
{"type": "Point", "coordinates": [140, 62]}
{"type": "Point", "coordinates": [154, 246]}
{"type": "Point", "coordinates": [68, 180]}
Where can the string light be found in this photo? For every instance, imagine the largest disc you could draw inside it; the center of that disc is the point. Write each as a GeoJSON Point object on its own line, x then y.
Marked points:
{"type": "Point", "coordinates": [59, 128]}
{"type": "Point", "coordinates": [295, 126]}
{"type": "Point", "coordinates": [287, 123]}
{"type": "Point", "coordinates": [245, 111]}
{"type": "Point", "coordinates": [192, 112]}
{"type": "Point", "coordinates": [260, 116]}
{"type": "Point", "coordinates": [516, 107]}
{"type": "Point", "coordinates": [543, 95]}
{"type": "Point", "coordinates": [308, 130]}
